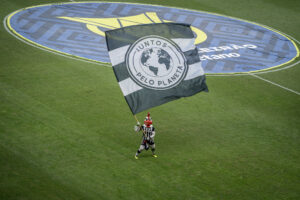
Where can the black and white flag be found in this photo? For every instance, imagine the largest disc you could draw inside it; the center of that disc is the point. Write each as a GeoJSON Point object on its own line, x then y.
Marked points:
{"type": "Point", "coordinates": [155, 63]}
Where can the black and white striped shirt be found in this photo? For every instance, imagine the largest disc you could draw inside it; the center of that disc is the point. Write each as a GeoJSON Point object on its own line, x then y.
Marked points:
{"type": "Point", "coordinates": [148, 132]}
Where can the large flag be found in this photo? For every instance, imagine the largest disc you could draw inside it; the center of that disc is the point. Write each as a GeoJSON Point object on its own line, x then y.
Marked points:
{"type": "Point", "coordinates": [155, 63]}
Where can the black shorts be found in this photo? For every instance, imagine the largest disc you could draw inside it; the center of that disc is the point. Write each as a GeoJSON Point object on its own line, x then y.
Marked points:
{"type": "Point", "coordinates": [146, 143]}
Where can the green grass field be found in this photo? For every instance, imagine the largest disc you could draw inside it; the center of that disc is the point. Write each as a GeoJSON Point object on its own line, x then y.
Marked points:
{"type": "Point", "coordinates": [66, 131]}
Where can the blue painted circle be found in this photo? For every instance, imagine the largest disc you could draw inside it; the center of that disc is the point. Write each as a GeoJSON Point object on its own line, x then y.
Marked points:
{"type": "Point", "coordinates": [231, 46]}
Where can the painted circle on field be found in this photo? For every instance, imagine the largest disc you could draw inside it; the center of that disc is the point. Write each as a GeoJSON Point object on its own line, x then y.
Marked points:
{"type": "Point", "coordinates": [225, 44]}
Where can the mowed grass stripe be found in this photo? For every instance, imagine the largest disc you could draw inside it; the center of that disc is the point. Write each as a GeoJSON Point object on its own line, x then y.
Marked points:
{"type": "Point", "coordinates": [59, 146]}
{"type": "Point", "coordinates": [206, 144]}
{"type": "Point", "coordinates": [21, 178]}
{"type": "Point", "coordinates": [51, 139]}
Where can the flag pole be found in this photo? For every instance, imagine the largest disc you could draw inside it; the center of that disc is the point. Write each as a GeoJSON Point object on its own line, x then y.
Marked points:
{"type": "Point", "coordinates": [137, 121]}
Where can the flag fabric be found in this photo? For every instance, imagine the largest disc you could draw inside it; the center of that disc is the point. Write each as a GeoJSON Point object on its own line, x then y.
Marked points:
{"type": "Point", "coordinates": [155, 63]}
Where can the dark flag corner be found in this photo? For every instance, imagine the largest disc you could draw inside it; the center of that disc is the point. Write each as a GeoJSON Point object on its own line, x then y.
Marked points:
{"type": "Point", "coordinates": [155, 63]}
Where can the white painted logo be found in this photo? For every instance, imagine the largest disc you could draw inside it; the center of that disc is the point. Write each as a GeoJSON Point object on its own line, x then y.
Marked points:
{"type": "Point", "coordinates": [155, 62]}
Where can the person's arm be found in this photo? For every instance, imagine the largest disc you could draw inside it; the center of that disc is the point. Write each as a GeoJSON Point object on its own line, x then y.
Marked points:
{"type": "Point", "coordinates": [153, 134]}
{"type": "Point", "coordinates": [137, 127]}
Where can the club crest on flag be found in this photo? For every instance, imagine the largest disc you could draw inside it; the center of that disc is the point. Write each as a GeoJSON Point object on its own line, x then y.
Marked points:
{"type": "Point", "coordinates": [155, 62]}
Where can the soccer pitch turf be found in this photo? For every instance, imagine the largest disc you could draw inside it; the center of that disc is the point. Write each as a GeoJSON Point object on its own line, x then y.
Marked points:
{"type": "Point", "coordinates": [66, 131]}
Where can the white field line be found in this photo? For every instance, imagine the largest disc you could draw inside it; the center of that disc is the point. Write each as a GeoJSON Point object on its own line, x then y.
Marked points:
{"type": "Point", "coordinates": [262, 72]}
{"type": "Point", "coordinates": [285, 88]}
{"type": "Point", "coordinates": [279, 69]}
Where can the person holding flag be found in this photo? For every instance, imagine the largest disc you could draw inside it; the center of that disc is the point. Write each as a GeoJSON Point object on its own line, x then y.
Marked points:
{"type": "Point", "coordinates": [155, 64]}
{"type": "Point", "coordinates": [148, 136]}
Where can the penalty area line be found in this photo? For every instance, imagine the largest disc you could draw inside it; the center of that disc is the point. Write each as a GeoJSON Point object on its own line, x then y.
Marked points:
{"type": "Point", "coordinates": [285, 88]}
